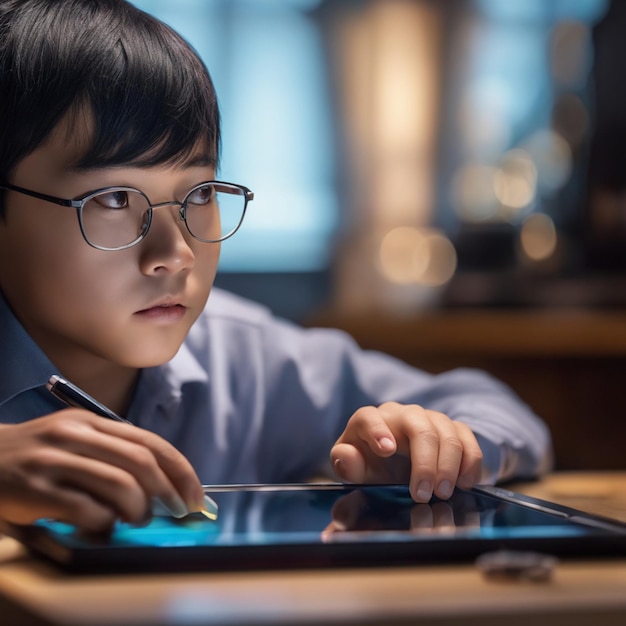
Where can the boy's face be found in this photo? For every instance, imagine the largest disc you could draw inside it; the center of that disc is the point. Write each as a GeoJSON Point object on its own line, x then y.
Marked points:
{"type": "Point", "coordinates": [131, 307]}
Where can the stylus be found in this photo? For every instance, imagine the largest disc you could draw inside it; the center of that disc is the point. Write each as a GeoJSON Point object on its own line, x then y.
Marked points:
{"type": "Point", "coordinates": [74, 396]}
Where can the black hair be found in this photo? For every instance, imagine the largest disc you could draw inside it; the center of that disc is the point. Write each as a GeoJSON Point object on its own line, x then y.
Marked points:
{"type": "Point", "coordinates": [150, 97]}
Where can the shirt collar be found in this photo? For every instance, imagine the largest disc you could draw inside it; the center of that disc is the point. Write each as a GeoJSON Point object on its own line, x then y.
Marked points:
{"type": "Point", "coordinates": [23, 365]}
{"type": "Point", "coordinates": [160, 389]}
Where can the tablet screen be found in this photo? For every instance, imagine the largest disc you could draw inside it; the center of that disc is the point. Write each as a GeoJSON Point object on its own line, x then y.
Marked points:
{"type": "Point", "coordinates": [308, 525]}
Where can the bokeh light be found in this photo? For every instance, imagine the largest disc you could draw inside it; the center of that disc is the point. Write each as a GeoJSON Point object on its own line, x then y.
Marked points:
{"type": "Point", "coordinates": [552, 157]}
{"type": "Point", "coordinates": [515, 181]}
{"type": "Point", "coordinates": [538, 237]}
{"type": "Point", "coordinates": [473, 196]}
{"type": "Point", "coordinates": [422, 256]}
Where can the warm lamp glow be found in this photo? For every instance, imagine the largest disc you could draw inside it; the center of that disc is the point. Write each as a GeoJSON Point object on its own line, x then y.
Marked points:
{"type": "Point", "coordinates": [417, 256]}
{"type": "Point", "coordinates": [473, 195]}
{"type": "Point", "coordinates": [515, 181]}
{"type": "Point", "coordinates": [538, 237]}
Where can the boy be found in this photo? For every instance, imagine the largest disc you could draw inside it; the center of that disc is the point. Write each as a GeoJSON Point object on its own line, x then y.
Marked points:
{"type": "Point", "coordinates": [109, 240]}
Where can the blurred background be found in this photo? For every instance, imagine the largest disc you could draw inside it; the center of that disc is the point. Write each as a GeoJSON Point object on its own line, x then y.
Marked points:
{"type": "Point", "coordinates": [442, 179]}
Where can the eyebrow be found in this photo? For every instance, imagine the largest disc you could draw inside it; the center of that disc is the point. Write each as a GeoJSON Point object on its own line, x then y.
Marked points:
{"type": "Point", "coordinates": [198, 160]}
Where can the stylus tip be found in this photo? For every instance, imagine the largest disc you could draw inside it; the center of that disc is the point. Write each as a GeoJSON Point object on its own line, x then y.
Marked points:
{"type": "Point", "coordinates": [210, 508]}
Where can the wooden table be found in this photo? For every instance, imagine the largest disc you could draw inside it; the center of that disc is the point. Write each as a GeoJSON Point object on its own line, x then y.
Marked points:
{"type": "Point", "coordinates": [580, 592]}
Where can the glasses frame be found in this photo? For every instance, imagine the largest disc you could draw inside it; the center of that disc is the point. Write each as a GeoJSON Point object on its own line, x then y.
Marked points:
{"type": "Point", "coordinates": [79, 202]}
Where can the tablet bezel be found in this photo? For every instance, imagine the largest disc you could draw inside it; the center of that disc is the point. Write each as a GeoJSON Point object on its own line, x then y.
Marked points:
{"type": "Point", "coordinates": [607, 539]}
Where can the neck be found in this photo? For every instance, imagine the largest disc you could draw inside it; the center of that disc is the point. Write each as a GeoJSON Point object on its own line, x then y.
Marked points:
{"type": "Point", "coordinates": [111, 385]}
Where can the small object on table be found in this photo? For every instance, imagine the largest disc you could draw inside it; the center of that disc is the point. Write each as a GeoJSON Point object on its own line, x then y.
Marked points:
{"type": "Point", "coordinates": [512, 565]}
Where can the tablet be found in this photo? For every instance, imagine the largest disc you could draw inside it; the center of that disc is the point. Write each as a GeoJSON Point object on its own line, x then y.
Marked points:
{"type": "Point", "coordinates": [330, 525]}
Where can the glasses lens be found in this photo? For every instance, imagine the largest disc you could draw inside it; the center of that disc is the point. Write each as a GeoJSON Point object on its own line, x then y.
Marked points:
{"type": "Point", "coordinates": [115, 218]}
{"type": "Point", "coordinates": [214, 211]}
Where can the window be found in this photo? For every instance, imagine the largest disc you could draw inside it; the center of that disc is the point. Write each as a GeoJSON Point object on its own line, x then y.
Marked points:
{"type": "Point", "coordinates": [267, 62]}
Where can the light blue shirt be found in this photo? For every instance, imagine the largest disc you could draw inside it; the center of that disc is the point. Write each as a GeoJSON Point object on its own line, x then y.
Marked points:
{"type": "Point", "coordinates": [252, 398]}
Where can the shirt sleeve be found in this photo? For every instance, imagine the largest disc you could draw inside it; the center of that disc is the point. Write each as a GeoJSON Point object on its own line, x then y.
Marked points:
{"type": "Point", "coordinates": [313, 380]}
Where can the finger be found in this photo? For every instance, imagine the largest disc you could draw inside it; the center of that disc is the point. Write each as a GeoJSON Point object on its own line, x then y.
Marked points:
{"type": "Point", "coordinates": [367, 428]}
{"type": "Point", "coordinates": [64, 505]}
{"type": "Point", "coordinates": [436, 453]}
{"type": "Point", "coordinates": [423, 439]}
{"type": "Point", "coordinates": [177, 468]}
{"type": "Point", "coordinates": [348, 463]}
{"type": "Point", "coordinates": [81, 510]}
{"type": "Point", "coordinates": [32, 497]}
{"type": "Point", "coordinates": [112, 486]}
{"type": "Point", "coordinates": [140, 453]}
{"type": "Point", "coordinates": [136, 461]}
{"type": "Point", "coordinates": [449, 456]}
{"type": "Point", "coordinates": [471, 464]}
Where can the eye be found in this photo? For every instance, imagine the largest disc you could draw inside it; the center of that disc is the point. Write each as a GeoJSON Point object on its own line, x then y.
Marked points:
{"type": "Point", "coordinates": [202, 195]}
{"type": "Point", "coordinates": [112, 199]}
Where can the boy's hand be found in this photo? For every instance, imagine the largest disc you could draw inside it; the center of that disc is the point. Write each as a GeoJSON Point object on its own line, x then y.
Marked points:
{"type": "Point", "coordinates": [396, 443]}
{"type": "Point", "coordinates": [77, 467]}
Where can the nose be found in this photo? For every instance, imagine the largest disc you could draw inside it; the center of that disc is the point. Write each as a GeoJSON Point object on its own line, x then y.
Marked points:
{"type": "Point", "coordinates": [167, 247]}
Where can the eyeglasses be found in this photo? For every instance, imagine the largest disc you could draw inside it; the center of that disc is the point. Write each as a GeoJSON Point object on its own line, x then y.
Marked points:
{"type": "Point", "coordinates": [116, 218]}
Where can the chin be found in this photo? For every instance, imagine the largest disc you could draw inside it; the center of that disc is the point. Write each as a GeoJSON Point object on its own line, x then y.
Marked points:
{"type": "Point", "coordinates": [151, 357]}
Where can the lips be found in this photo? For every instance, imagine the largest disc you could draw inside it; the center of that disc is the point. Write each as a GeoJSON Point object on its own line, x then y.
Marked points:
{"type": "Point", "coordinates": [166, 311]}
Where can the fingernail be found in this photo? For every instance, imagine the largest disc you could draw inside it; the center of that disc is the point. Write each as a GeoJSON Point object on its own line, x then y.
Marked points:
{"type": "Point", "coordinates": [386, 444]}
{"type": "Point", "coordinates": [174, 507]}
{"type": "Point", "coordinates": [445, 489]}
{"type": "Point", "coordinates": [424, 491]}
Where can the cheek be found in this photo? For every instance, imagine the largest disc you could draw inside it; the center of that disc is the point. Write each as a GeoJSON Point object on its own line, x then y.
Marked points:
{"type": "Point", "coordinates": [36, 244]}
{"type": "Point", "coordinates": [207, 257]}
{"type": "Point", "coordinates": [201, 279]}
{"type": "Point", "coordinates": [51, 274]}
{"type": "Point", "coordinates": [24, 262]}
